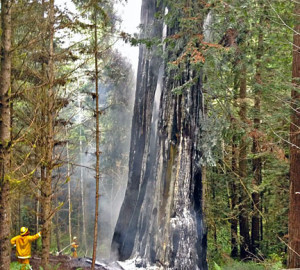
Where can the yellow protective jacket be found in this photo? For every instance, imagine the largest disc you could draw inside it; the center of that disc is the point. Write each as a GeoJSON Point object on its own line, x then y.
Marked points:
{"type": "Point", "coordinates": [23, 245]}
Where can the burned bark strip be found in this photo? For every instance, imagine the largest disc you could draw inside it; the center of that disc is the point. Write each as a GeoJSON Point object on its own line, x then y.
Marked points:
{"type": "Point", "coordinates": [172, 232]}
{"type": "Point", "coordinates": [126, 227]}
{"type": "Point", "coordinates": [197, 187]}
{"type": "Point", "coordinates": [161, 219]}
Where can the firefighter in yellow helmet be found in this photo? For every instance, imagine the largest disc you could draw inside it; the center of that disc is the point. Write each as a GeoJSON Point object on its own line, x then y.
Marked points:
{"type": "Point", "coordinates": [23, 246]}
{"type": "Point", "coordinates": [74, 247]}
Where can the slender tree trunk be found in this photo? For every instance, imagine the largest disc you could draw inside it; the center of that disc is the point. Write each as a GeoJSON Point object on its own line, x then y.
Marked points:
{"type": "Point", "coordinates": [57, 233]}
{"type": "Point", "coordinates": [37, 215]}
{"type": "Point", "coordinates": [234, 201]}
{"type": "Point", "coordinates": [294, 216]}
{"type": "Point", "coordinates": [213, 222]}
{"type": "Point", "coordinates": [97, 144]}
{"type": "Point", "coordinates": [78, 229]}
{"type": "Point", "coordinates": [233, 183]}
{"type": "Point", "coordinates": [19, 213]}
{"type": "Point", "coordinates": [47, 184]}
{"type": "Point", "coordinates": [257, 161]}
{"type": "Point", "coordinates": [243, 206]}
{"type": "Point", "coordinates": [69, 191]}
{"type": "Point", "coordinates": [204, 168]}
{"type": "Point", "coordinates": [5, 134]}
{"type": "Point", "coordinates": [82, 195]}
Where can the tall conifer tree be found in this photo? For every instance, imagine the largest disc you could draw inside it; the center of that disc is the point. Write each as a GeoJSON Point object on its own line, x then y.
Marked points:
{"type": "Point", "coordinates": [294, 214]}
{"type": "Point", "coordinates": [5, 133]}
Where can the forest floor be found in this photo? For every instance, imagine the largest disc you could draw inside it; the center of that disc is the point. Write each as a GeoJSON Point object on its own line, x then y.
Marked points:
{"type": "Point", "coordinates": [64, 262]}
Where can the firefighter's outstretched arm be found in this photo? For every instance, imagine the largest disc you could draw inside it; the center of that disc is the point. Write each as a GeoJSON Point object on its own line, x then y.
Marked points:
{"type": "Point", "coordinates": [13, 240]}
{"type": "Point", "coordinates": [34, 237]}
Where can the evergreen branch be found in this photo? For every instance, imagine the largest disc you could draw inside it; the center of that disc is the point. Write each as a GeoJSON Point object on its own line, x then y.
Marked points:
{"type": "Point", "coordinates": [288, 142]}
{"type": "Point", "coordinates": [283, 22]}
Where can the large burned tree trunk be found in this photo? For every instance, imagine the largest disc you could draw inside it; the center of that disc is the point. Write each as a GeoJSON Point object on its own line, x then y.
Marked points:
{"type": "Point", "coordinates": [126, 228]}
{"type": "Point", "coordinates": [161, 220]}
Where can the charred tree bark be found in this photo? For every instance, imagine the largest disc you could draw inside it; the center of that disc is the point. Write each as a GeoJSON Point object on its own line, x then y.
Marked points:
{"type": "Point", "coordinates": [5, 134]}
{"type": "Point", "coordinates": [126, 227]}
{"type": "Point", "coordinates": [161, 219]}
{"type": "Point", "coordinates": [294, 211]}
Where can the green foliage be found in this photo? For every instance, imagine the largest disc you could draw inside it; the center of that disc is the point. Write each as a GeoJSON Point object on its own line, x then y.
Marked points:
{"type": "Point", "coordinates": [213, 62]}
{"type": "Point", "coordinates": [272, 264]}
{"type": "Point", "coordinates": [210, 137]}
{"type": "Point", "coordinates": [50, 267]}
{"type": "Point", "coordinates": [216, 266]}
{"type": "Point", "coordinates": [134, 40]}
{"type": "Point", "coordinates": [243, 266]}
{"type": "Point", "coordinates": [16, 266]}
{"type": "Point", "coordinates": [221, 70]}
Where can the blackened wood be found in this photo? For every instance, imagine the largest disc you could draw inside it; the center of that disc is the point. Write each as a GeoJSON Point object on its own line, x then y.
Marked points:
{"type": "Point", "coordinates": [161, 219]}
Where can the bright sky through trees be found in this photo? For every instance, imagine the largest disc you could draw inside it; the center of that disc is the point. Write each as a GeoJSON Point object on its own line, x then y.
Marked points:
{"type": "Point", "coordinates": [130, 15]}
{"type": "Point", "coordinates": [129, 12]}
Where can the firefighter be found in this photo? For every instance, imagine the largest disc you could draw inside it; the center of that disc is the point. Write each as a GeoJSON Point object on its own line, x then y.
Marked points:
{"type": "Point", "coordinates": [22, 243]}
{"type": "Point", "coordinates": [74, 247]}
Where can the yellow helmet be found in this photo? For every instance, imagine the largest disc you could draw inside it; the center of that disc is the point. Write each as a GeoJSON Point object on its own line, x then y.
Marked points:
{"type": "Point", "coordinates": [23, 231]}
